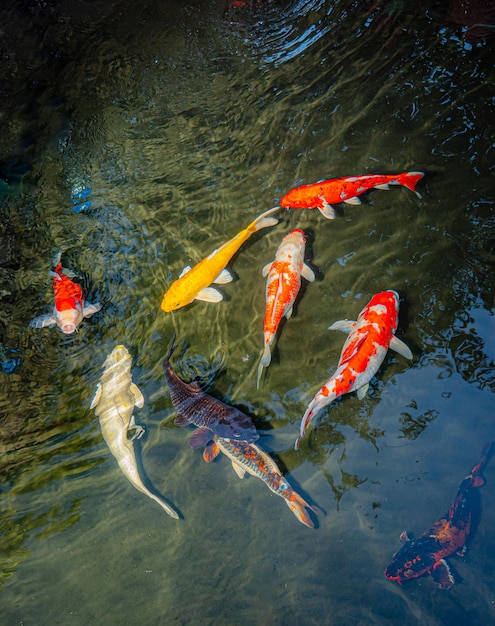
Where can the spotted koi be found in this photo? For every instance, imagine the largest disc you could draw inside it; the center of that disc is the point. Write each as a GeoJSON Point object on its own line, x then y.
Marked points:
{"type": "Point", "coordinates": [282, 286]}
{"type": "Point", "coordinates": [369, 339]}
{"type": "Point", "coordinates": [426, 554]}
{"type": "Point", "coordinates": [323, 194]}
{"type": "Point", "coordinates": [250, 458]}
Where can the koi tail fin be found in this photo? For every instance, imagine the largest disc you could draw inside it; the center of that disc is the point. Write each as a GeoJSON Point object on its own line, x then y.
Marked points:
{"type": "Point", "coordinates": [171, 350]}
{"type": "Point", "coordinates": [57, 259]}
{"type": "Point", "coordinates": [298, 505]}
{"type": "Point", "coordinates": [265, 361]}
{"type": "Point", "coordinates": [58, 270]}
{"type": "Point", "coordinates": [143, 489]}
{"type": "Point", "coordinates": [263, 221]}
{"type": "Point", "coordinates": [166, 507]}
{"type": "Point", "coordinates": [410, 180]}
{"type": "Point", "coordinates": [475, 473]}
{"type": "Point", "coordinates": [321, 399]}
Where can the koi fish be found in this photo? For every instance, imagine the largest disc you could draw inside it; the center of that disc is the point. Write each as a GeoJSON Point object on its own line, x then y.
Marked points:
{"type": "Point", "coordinates": [364, 350]}
{"type": "Point", "coordinates": [426, 554]}
{"type": "Point", "coordinates": [114, 401]}
{"type": "Point", "coordinates": [248, 457]}
{"type": "Point", "coordinates": [282, 287]}
{"type": "Point", "coordinates": [323, 194]}
{"type": "Point", "coordinates": [70, 308]}
{"type": "Point", "coordinates": [194, 284]}
{"type": "Point", "coordinates": [212, 416]}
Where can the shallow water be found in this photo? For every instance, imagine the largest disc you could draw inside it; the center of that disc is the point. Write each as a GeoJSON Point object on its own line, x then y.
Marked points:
{"type": "Point", "coordinates": [136, 138]}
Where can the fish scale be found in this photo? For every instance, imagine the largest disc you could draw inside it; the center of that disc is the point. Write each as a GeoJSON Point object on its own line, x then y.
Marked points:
{"type": "Point", "coordinates": [426, 553]}
{"type": "Point", "coordinates": [248, 457]}
{"type": "Point", "coordinates": [114, 401]}
{"type": "Point", "coordinates": [363, 353]}
{"type": "Point", "coordinates": [194, 406]}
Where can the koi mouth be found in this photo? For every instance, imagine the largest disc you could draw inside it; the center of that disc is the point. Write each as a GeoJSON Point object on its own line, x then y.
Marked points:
{"type": "Point", "coordinates": [397, 579]}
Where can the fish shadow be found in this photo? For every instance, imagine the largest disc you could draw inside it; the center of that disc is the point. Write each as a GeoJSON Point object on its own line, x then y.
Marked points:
{"type": "Point", "coordinates": [145, 479]}
{"type": "Point", "coordinates": [319, 275]}
{"type": "Point", "coordinates": [297, 487]}
{"type": "Point", "coordinates": [308, 259]}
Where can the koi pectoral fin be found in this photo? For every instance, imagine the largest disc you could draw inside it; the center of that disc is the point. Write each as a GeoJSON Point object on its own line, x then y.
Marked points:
{"type": "Point", "coordinates": [354, 201]}
{"type": "Point", "coordinates": [224, 277]}
{"type": "Point", "coordinates": [240, 471]}
{"type": "Point", "coordinates": [211, 451]}
{"type": "Point", "coordinates": [266, 269]}
{"type": "Point", "coordinates": [137, 395]}
{"type": "Point", "coordinates": [344, 326]}
{"type": "Point", "coordinates": [399, 346]}
{"type": "Point", "coordinates": [442, 575]}
{"type": "Point", "coordinates": [209, 294]}
{"type": "Point", "coordinates": [326, 209]}
{"type": "Point", "coordinates": [55, 275]}
{"type": "Point", "coordinates": [362, 391]}
{"type": "Point", "coordinates": [307, 273]}
{"type": "Point", "coordinates": [184, 271]}
{"type": "Point", "coordinates": [200, 437]}
{"type": "Point", "coordinates": [90, 309]}
{"type": "Point", "coordinates": [42, 321]}
{"type": "Point", "coordinates": [96, 397]}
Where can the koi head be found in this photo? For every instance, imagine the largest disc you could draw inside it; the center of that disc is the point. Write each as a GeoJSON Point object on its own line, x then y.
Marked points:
{"type": "Point", "coordinates": [118, 354]}
{"type": "Point", "coordinates": [69, 319]}
{"type": "Point", "coordinates": [303, 197]}
{"type": "Point", "coordinates": [415, 558]}
{"type": "Point", "coordinates": [176, 297]}
{"type": "Point", "coordinates": [236, 426]}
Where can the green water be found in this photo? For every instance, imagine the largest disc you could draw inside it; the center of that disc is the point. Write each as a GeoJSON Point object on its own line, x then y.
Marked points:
{"type": "Point", "coordinates": [136, 138]}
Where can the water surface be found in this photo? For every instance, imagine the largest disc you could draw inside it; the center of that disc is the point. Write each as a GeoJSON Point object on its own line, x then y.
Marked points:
{"type": "Point", "coordinates": [137, 137]}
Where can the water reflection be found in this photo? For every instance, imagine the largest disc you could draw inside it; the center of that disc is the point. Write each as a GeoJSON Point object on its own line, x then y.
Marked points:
{"type": "Point", "coordinates": [15, 529]}
{"type": "Point", "coordinates": [138, 139]}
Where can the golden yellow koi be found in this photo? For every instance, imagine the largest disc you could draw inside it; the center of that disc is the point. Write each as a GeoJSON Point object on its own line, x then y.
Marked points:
{"type": "Point", "coordinates": [194, 284]}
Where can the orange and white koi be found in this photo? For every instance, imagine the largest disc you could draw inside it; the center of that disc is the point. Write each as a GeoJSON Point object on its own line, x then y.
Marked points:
{"type": "Point", "coordinates": [194, 284]}
{"type": "Point", "coordinates": [248, 457]}
{"type": "Point", "coordinates": [323, 194]}
{"type": "Point", "coordinates": [282, 286]}
{"type": "Point", "coordinates": [369, 339]}
{"type": "Point", "coordinates": [70, 308]}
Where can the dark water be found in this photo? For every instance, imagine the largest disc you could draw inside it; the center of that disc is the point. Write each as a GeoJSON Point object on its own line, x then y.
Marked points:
{"type": "Point", "coordinates": [136, 137]}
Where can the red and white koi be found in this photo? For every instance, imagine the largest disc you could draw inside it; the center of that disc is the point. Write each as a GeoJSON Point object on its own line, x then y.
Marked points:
{"type": "Point", "coordinates": [369, 339]}
{"type": "Point", "coordinates": [70, 308]}
{"type": "Point", "coordinates": [282, 286]}
{"type": "Point", "coordinates": [248, 457]}
{"type": "Point", "coordinates": [323, 194]}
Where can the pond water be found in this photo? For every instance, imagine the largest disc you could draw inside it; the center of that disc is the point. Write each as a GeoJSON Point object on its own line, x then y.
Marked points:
{"type": "Point", "coordinates": [136, 138]}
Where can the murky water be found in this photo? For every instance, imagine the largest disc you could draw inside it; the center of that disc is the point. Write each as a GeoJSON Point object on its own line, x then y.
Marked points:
{"type": "Point", "coordinates": [137, 137]}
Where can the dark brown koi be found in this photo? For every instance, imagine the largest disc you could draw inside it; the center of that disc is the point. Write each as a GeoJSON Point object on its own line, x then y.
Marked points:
{"type": "Point", "coordinates": [212, 416]}
{"type": "Point", "coordinates": [426, 554]}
